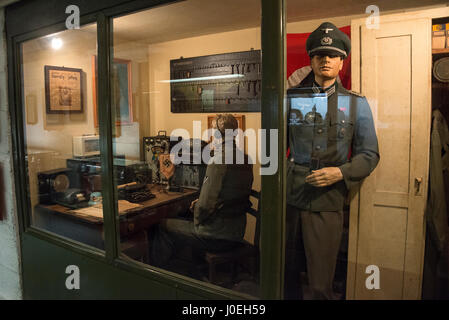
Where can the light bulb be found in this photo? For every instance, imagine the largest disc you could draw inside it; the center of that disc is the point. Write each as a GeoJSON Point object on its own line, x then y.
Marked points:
{"type": "Point", "coordinates": [56, 43]}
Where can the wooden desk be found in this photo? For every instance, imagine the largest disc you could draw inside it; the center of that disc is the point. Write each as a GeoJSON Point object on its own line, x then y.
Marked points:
{"type": "Point", "coordinates": [88, 229]}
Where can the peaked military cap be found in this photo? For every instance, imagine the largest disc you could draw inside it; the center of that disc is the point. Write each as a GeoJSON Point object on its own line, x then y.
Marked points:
{"type": "Point", "coordinates": [328, 38]}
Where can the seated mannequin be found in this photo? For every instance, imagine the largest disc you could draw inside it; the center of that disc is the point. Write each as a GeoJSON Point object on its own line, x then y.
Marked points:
{"type": "Point", "coordinates": [219, 214]}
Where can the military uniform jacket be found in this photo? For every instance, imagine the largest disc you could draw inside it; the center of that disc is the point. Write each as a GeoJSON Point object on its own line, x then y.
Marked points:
{"type": "Point", "coordinates": [328, 129]}
{"type": "Point", "coordinates": [220, 212]}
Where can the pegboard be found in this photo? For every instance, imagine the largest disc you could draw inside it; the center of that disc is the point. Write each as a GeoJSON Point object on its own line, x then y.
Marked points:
{"type": "Point", "coordinates": [229, 82]}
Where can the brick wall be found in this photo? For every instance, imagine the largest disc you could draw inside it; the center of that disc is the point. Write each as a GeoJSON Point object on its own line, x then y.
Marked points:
{"type": "Point", "coordinates": [10, 281]}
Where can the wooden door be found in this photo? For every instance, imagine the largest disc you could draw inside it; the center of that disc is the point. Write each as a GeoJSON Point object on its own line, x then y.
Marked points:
{"type": "Point", "coordinates": [395, 76]}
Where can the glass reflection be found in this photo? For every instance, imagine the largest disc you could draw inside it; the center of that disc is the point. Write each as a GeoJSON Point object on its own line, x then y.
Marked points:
{"type": "Point", "coordinates": [394, 236]}
{"type": "Point", "coordinates": [332, 147]}
{"type": "Point", "coordinates": [62, 142]}
{"type": "Point", "coordinates": [183, 86]}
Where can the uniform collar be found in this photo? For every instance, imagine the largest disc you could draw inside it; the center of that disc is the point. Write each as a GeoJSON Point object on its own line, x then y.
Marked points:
{"type": "Point", "coordinates": [329, 90]}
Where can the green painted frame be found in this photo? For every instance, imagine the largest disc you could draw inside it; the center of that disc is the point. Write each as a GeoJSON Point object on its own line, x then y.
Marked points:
{"type": "Point", "coordinates": [274, 116]}
{"type": "Point", "coordinates": [51, 252]}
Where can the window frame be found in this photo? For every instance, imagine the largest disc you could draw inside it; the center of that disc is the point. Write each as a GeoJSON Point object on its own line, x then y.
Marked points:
{"type": "Point", "coordinates": [273, 116]}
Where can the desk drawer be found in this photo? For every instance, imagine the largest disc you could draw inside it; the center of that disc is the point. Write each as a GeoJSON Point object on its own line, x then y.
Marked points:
{"type": "Point", "coordinates": [141, 221]}
{"type": "Point", "coordinates": [148, 217]}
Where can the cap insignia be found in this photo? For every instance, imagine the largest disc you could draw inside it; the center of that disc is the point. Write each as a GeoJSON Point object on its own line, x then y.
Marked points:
{"type": "Point", "coordinates": [326, 41]}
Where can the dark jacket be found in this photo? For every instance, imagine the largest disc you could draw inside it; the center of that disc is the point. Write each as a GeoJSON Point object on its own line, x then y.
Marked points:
{"type": "Point", "coordinates": [328, 129]}
{"type": "Point", "coordinates": [224, 199]}
{"type": "Point", "coordinates": [436, 213]}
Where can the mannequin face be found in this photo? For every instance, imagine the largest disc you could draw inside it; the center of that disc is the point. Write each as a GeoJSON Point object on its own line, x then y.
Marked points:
{"type": "Point", "coordinates": [326, 66]}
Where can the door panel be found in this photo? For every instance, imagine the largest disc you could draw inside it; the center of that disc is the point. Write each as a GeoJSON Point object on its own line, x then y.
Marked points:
{"type": "Point", "coordinates": [395, 77]}
{"type": "Point", "coordinates": [393, 118]}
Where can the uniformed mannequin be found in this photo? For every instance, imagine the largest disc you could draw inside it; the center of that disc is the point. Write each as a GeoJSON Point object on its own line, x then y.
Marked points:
{"type": "Point", "coordinates": [333, 147]}
{"type": "Point", "coordinates": [219, 214]}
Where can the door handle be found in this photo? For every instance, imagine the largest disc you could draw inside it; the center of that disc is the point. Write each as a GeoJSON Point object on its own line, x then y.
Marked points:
{"type": "Point", "coordinates": [418, 186]}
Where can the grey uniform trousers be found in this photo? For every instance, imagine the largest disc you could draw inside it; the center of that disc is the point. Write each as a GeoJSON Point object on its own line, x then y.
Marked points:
{"type": "Point", "coordinates": [312, 241]}
{"type": "Point", "coordinates": [173, 235]}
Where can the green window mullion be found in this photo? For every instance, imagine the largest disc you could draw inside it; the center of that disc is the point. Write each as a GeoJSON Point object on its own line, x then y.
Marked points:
{"type": "Point", "coordinates": [17, 116]}
{"type": "Point", "coordinates": [273, 117]}
{"type": "Point", "coordinates": [104, 63]}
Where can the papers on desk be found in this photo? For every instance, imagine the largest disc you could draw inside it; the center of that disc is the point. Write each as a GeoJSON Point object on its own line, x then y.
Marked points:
{"type": "Point", "coordinates": [124, 206]}
{"type": "Point", "coordinates": [94, 211]}
{"type": "Point", "coordinates": [97, 210]}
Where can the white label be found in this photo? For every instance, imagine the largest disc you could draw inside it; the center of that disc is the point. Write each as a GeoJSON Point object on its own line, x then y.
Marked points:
{"type": "Point", "coordinates": [373, 21]}
{"type": "Point", "coordinates": [73, 280]}
{"type": "Point", "coordinates": [373, 280]}
{"type": "Point", "coordinates": [72, 21]}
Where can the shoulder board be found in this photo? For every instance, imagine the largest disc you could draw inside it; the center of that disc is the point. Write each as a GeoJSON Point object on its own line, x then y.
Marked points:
{"type": "Point", "coordinates": [344, 90]}
{"type": "Point", "coordinates": [355, 93]}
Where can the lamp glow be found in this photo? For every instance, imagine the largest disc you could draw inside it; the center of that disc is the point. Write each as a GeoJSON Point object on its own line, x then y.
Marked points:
{"type": "Point", "coordinates": [56, 43]}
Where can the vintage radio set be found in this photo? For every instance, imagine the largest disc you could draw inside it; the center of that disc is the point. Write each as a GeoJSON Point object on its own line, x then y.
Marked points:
{"type": "Point", "coordinates": [55, 187]}
{"type": "Point", "coordinates": [153, 147]}
{"type": "Point", "coordinates": [191, 175]}
{"type": "Point", "coordinates": [125, 171]}
{"type": "Point", "coordinates": [86, 146]}
{"type": "Point", "coordinates": [72, 186]}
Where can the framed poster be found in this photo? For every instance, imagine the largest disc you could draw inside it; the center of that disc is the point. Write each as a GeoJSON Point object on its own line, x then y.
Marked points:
{"type": "Point", "coordinates": [121, 91]}
{"type": "Point", "coordinates": [63, 90]}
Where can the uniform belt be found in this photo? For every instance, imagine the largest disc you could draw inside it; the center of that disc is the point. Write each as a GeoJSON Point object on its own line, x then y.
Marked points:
{"type": "Point", "coordinates": [316, 164]}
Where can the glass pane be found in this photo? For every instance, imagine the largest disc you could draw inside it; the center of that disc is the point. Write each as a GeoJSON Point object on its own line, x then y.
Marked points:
{"type": "Point", "coordinates": [358, 162]}
{"type": "Point", "coordinates": [62, 141]}
{"type": "Point", "coordinates": [175, 69]}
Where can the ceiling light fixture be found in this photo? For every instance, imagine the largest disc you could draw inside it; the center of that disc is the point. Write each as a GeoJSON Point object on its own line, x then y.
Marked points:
{"type": "Point", "coordinates": [56, 43]}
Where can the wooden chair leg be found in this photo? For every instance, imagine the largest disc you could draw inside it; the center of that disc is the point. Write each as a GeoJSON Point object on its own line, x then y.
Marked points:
{"type": "Point", "coordinates": [145, 246]}
{"type": "Point", "coordinates": [212, 273]}
{"type": "Point", "coordinates": [234, 271]}
{"type": "Point", "coordinates": [253, 266]}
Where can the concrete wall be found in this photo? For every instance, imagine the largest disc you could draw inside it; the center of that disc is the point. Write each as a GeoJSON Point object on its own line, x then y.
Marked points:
{"type": "Point", "coordinates": [10, 280]}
